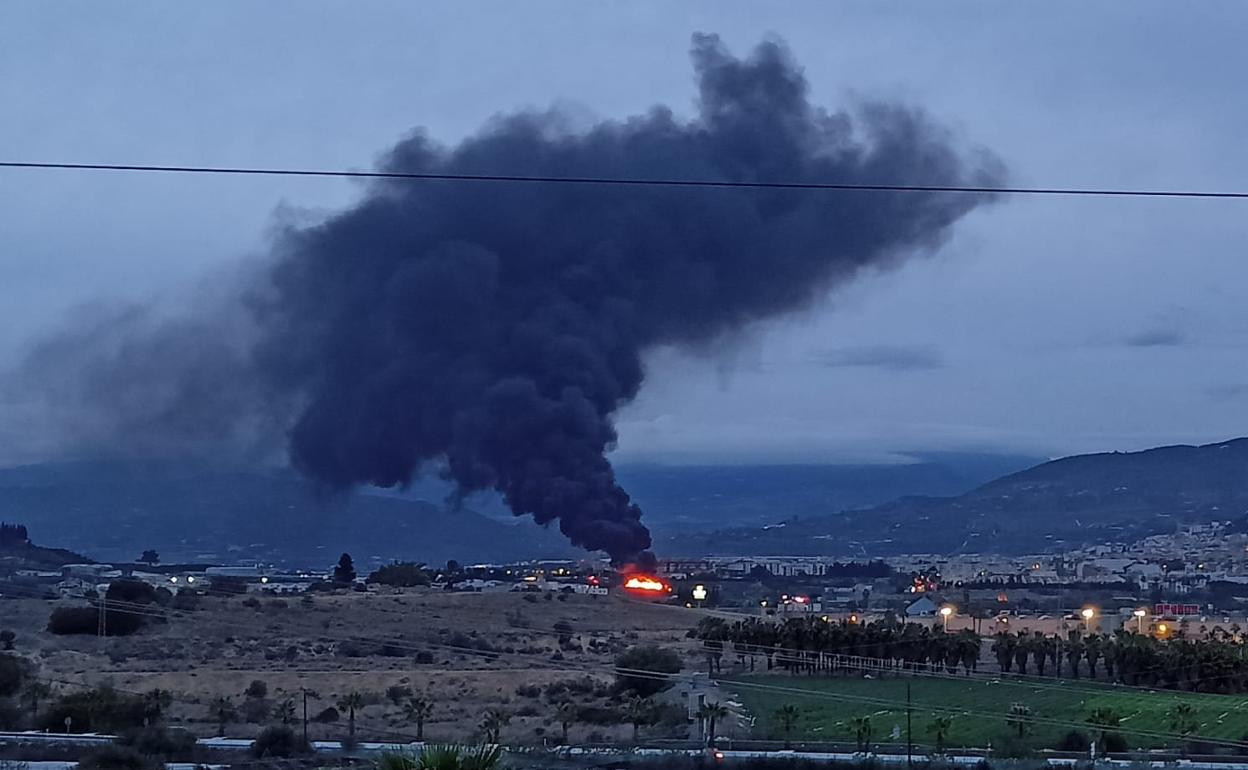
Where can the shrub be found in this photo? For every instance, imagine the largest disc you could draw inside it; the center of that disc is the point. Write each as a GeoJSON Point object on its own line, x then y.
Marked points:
{"type": "Point", "coordinates": [424, 656]}
{"type": "Point", "coordinates": [255, 710]}
{"type": "Point", "coordinates": [648, 658]}
{"type": "Point", "coordinates": [185, 601]}
{"type": "Point", "coordinates": [252, 602]}
{"type": "Point", "coordinates": [13, 673]}
{"type": "Point", "coordinates": [1114, 743]}
{"type": "Point", "coordinates": [6, 639]}
{"type": "Point", "coordinates": [100, 710]}
{"type": "Point", "coordinates": [1074, 741]}
{"type": "Point", "coordinates": [114, 757]}
{"type": "Point", "coordinates": [598, 715]}
{"type": "Point", "coordinates": [85, 620]}
{"type": "Point", "coordinates": [328, 715]}
{"type": "Point", "coordinates": [175, 745]}
{"type": "Point", "coordinates": [278, 741]}
{"type": "Point", "coordinates": [397, 693]}
{"type": "Point", "coordinates": [135, 592]}
{"type": "Point", "coordinates": [401, 574]}
{"type": "Point", "coordinates": [257, 689]}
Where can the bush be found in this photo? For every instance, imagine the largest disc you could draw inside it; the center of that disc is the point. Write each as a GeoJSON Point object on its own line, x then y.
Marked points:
{"type": "Point", "coordinates": [328, 715]}
{"type": "Point", "coordinates": [424, 656]}
{"type": "Point", "coordinates": [257, 689]}
{"type": "Point", "coordinates": [397, 693]}
{"type": "Point", "coordinates": [86, 620]}
{"type": "Point", "coordinates": [1114, 743]}
{"type": "Point", "coordinates": [1074, 741]}
{"type": "Point", "coordinates": [278, 741]}
{"type": "Point", "coordinates": [13, 673]}
{"type": "Point", "coordinates": [598, 715]}
{"type": "Point", "coordinates": [647, 658]}
{"type": "Point", "coordinates": [401, 574]}
{"type": "Point", "coordinates": [172, 745]}
{"type": "Point", "coordinates": [136, 592]}
{"type": "Point", "coordinates": [100, 710]}
{"type": "Point", "coordinates": [185, 601]}
{"type": "Point", "coordinates": [255, 710]}
{"type": "Point", "coordinates": [7, 638]}
{"type": "Point", "coordinates": [114, 757]}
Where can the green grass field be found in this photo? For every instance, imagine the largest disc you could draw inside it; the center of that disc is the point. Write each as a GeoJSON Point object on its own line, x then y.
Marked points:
{"type": "Point", "coordinates": [982, 706]}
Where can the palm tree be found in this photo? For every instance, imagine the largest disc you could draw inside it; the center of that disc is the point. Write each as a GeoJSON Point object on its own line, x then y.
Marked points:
{"type": "Point", "coordinates": [492, 724]}
{"type": "Point", "coordinates": [285, 711]}
{"type": "Point", "coordinates": [566, 714]}
{"type": "Point", "coordinates": [350, 703]}
{"type": "Point", "coordinates": [939, 728]}
{"type": "Point", "coordinates": [637, 711]}
{"type": "Point", "coordinates": [1104, 720]}
{"type": "Point", "coordinates": [418, 709]}
{"type": "Point", "coordinates": [787, 716]}
{"type": "Point", "coordinates": [443, 758]}
{"type": "Point", "coordinates": [711, 713]}
{"type": "Point", "coordinates": [36, 691]}
{"type": "Point", "coordinates": [1182, 718]}
{"type": "Point", "coordinates": [222, 709]}
{"type": "Point", "coordinates": [862, 732]}
{"type": "Point", "coordinates": [1019, 718]}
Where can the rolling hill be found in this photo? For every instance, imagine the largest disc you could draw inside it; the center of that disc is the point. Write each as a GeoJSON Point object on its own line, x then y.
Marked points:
{"type": "Point", "coordinates": [1079, 500]}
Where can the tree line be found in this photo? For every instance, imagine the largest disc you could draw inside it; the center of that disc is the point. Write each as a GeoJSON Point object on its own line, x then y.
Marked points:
{"type": "Point", "coordinates": [1217, 664]}
{"type": "Point", "coordinates": [811, 644]}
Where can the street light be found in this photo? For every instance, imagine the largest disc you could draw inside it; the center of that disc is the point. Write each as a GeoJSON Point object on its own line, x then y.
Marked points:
{"type": "Point", "coordinates": [699, 594]}
{"type": "Point", "coordinates": [1088, 613]}
{"type": "Point", "coordinates": [945, 613]}
{"type": "Point", "coordinates": [1139, 620]}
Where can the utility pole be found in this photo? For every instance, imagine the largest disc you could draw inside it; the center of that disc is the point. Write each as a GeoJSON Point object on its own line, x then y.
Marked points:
{"type": "Point", "coordinates": [304, 690]}
{"type": "Point", "coordinates": [102, 623]}
{"type": "Point", "coordinates": [909, 741]}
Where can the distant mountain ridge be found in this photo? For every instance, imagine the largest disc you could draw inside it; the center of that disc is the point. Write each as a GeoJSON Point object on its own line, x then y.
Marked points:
{"type": "Point", "coordinates": [112, 510]}
{"type": "Point", "coordinates": [1079, 500]}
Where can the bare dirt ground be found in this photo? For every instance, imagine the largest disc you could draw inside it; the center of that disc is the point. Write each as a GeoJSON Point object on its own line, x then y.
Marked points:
{"type": "Point", "coordinates": [467, 652]}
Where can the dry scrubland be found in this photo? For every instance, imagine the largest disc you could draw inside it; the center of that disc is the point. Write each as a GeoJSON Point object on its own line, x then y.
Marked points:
{"type": "Point", "coordinates": [466, 652]}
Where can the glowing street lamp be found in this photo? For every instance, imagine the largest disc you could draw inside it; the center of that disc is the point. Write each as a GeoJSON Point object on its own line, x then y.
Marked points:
{"type": "Point", "coordinates": [1088, 613]}
{"type": "Point", "coordinates": [1139, 620]}
{"type": "Point", "coordinates": [945, 613]}
{"type": "Point", "coordinates": [699, 594]}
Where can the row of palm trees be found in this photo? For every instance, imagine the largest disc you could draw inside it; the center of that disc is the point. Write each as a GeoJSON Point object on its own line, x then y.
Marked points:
{"type": "Point", "coordinates": [1217, 664]}
{"type": "Point", "coordinates": [417, 709]}
{"type": "Point", "coordinates": [812, 645]}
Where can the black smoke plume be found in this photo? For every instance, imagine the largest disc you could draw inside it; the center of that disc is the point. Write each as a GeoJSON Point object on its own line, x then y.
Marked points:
{"type": "Point", "coordinates": [491, 330]}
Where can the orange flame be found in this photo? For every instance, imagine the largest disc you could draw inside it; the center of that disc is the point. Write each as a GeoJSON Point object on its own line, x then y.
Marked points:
{"type": "Point", "coordinates": [645, 583]}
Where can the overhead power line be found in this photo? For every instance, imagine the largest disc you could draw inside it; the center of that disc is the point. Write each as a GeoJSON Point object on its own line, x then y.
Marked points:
{"type": "Point", "coordinates": [1085, 192]}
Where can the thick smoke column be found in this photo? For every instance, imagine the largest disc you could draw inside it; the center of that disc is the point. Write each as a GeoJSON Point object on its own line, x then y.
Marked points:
{"type": "Point", "coordinates": [493, 329]}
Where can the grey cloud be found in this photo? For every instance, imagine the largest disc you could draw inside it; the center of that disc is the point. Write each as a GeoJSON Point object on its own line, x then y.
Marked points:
{"type": "Point", "coordinates": [893, 357]}
{"type": "Point", "coordinates": [1229, 390]}
{"type": "Point", "coordinates": [1158, 337]}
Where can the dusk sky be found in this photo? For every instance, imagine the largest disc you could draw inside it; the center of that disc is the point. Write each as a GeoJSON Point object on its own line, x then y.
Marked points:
{"type": "Point", "coordinates": [1048, 325]}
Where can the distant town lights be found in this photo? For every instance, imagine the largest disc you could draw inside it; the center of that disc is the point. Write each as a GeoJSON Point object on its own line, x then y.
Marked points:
{"type": "Point", "coordinates": [264, 579]}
